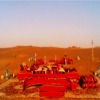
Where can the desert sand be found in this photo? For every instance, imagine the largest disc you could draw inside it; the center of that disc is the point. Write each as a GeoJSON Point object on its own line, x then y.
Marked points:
{"type": "Point", "coordinates": [11, 58]}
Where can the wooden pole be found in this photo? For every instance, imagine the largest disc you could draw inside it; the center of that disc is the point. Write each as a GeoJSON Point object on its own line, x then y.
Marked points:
{"type": "Point", "coordinates": [92, 52]}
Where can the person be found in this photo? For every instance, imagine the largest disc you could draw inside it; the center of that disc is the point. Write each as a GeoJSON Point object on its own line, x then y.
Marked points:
{"type": "Point", "coordinates": [6, 75]}
{"type": "Point", "coordinates": [65, 59]}
{"type": "Point", "coordinates": [78, 58]}
{"type": "Point", "coordinates": [97, 73]}
{"type": "Point", "coordinates": [21, 67]}
{"type": "Point", "coordinates": [13, 75]}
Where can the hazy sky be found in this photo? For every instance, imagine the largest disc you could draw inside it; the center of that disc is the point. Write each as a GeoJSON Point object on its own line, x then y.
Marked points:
{"type": "Point", "coordinates": [49, 23]}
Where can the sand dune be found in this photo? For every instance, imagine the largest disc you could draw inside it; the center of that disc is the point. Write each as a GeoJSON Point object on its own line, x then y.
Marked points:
{"type": "Point", "coordinates": [11, 58]}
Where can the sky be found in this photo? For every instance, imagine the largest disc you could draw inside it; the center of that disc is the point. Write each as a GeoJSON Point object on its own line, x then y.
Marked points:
{"type": "Point", "coordinates": [49, 23]}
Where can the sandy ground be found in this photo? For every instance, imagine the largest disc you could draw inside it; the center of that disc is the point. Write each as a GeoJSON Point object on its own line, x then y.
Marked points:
{"type": "Point", "coordinates": [11, 58]}
{"type": "Point", "coordinates": [11, 89]}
